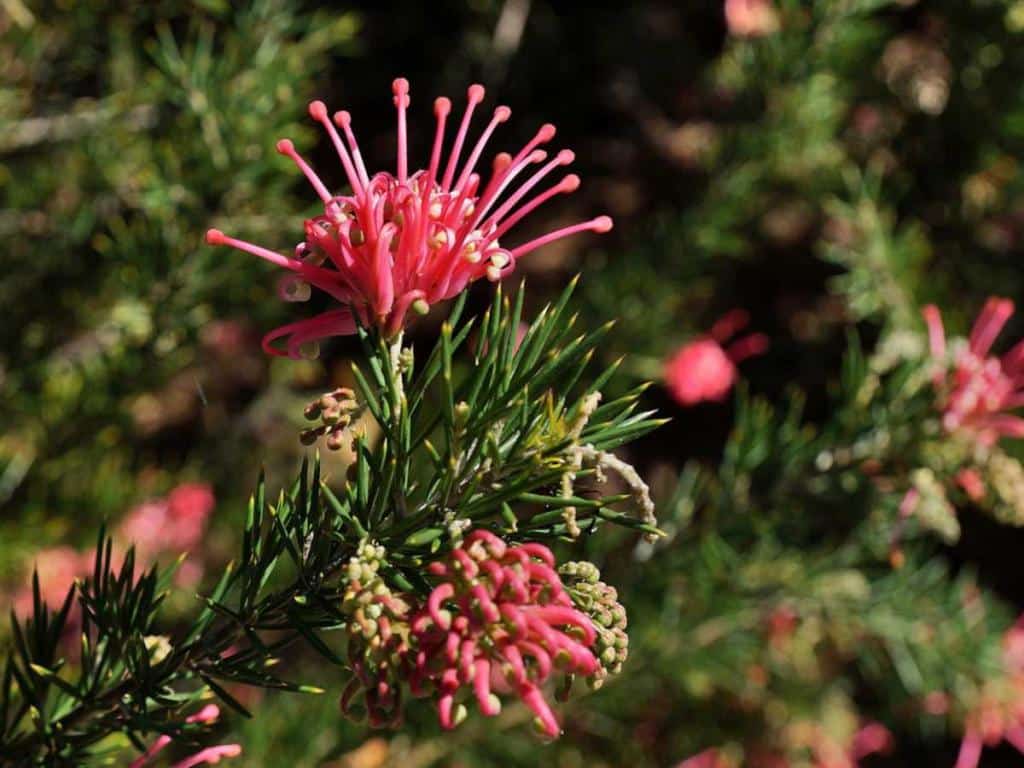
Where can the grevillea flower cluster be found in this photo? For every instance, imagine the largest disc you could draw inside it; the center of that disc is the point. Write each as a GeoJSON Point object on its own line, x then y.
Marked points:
{"type": "Point", "coordinates": [410, 239]}
{"type": "Point", "coordinates": [977, 390]}
{"type": "Point", "coordinates": [705, 368]}
{"type": "Point", "coordinates": [208, 756]}
{"type": "Point", "coordinates": [499, 620]}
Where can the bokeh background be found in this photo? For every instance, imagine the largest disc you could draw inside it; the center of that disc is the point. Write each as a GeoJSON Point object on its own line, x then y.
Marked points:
{"type": "Point", "coordinates": [762, 166]}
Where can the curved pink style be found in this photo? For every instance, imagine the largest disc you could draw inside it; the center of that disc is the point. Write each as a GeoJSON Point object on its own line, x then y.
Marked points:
{"type": "Point", "coordinates": [977, 390]}
{"type": "Point", "coordinates": [705, 369]}
{"type": "Point", "coordinates": [514, 626]}
{"type": "Point", "coordinates": [408, 240]}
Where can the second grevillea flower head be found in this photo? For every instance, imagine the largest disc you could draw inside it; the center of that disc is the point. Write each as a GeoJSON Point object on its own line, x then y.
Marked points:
{"type": "Point", "coordinates": [500, 620]}
{"type": "Point", "coordinates": [404, 241]}
{"type": "Point", "coordinates": [978, 391]}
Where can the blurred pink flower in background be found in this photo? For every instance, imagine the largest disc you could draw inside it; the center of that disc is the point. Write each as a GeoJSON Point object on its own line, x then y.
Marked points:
{"type": "Point", "coordinates": [170, 526]}
{"type": "Point", "coordinates": [870, 739]}
{"type": "Point", "coordinates": [707, 759]}
{"type": "Point", "coordinates": [409, 240]}
{"type": "Point", "coordinates": [58, 567]}
{"type": "Point", "coordinates": [977, 391]}
{"type": "Point", "coordinates": [705, 370]}
{"type": "Point", "coordinates": [751, 18]}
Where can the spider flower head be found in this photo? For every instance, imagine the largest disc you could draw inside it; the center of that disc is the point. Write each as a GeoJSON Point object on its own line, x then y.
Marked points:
{"type": "Point", "coordinates": [500, 620]}
{"type": "Point", "coordinates": [404, 241]}
{"type": "Point", "coordinates": [977, 390]}
{"type": "Point", "coordinates": [705, 369]}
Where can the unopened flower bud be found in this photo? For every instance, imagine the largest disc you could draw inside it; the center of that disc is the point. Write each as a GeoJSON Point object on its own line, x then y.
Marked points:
{"type": "Point", "coordinates": [461, 413]}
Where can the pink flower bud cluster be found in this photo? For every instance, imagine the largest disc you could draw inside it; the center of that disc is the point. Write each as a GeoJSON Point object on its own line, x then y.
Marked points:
{"type": "Point", "coordinates": [500, 620]}
{"type": "Point", "coordinates": [407, 240]}
{"type": "Point", "coordinates": [335, 411]}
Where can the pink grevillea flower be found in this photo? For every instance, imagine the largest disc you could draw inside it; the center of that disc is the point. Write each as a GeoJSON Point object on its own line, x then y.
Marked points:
{"type": "Point", "coordinates": [751, 18]}
{"type": "Point", "coordinates": [208, 756]}
{"type": "Point", "coordinates": [705, 369]}
{"type": "Point", "coordinates": [407, 240]}
{"type": "Point", "coordinates": [499, 620]}
{"type": "Point", "coordinates": [977, 390]}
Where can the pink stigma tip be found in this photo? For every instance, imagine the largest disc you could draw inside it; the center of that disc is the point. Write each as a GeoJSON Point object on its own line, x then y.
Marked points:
{"type": "Point", "coordinates": [570, 183]}
{"type": "Point", "coordinates": [501, 161]}
{"type": "Point", "coordinates": [476, 93]}
{"type": "Point", "coordinates": [601, 224]}
{"type": "Point", "coordinates": [400, 87]}
{"type": "Point", "coordinates": [501, 114]}
{"type": "Point", "coordinates": [566, 156]}
{"type": "Point", "coordinates": [285, 146]}
{"type": "Point", "coordinates": [442, 106]}
{"type": "Point", "coordinates": [546, 132]}
{"type": "Point", "coordinates": [537, 156]}
{"type": "Point", "coordinates": [214, 237]}
{"type": "Point", "coordinates": [317, 110]}
{"type": "Point", "coordinates": [342, 119]}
